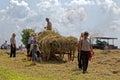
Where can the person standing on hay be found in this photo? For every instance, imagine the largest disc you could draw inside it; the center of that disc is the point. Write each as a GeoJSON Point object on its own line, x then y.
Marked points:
{"type": "Point", "coordinates": [85, 48]}
{"type": "Point", "coordinates": [49, 24]}
{"type": "Point", "coordinates": [79, 51]}
{"type": "Point", "coordinates": [13, 45]}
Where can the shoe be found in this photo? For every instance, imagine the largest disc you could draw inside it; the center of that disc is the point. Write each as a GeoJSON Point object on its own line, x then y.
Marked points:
{"type": "Point", "coordinates": [80, 68]}
{"type": "Point", "coordinates": [33, 64]}
{"type": "Point", "coordinates": [84, 72]}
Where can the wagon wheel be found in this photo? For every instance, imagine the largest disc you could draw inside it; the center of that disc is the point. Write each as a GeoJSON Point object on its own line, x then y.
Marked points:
{"type": "Point", "coordinates": [71, 56]}
{"type": "Point", "coordinates": [62, 55]}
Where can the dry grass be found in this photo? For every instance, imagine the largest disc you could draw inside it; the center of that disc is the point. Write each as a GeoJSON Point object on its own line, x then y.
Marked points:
{"type": "Point", "coordinates": [105, 65]}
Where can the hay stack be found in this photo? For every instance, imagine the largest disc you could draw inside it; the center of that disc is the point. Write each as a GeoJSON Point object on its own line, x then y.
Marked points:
{"type": "Point", "coordinates": [46, 33]}
{"type": "Point", "coordinates": [52, 41]}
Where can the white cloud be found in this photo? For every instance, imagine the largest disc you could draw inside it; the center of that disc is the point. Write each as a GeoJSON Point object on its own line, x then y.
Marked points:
{"type": "Point", "coordinates": [117, 21]}
{"type": "Point", "coordinates": [44, 5]}
{"type": "Point", "coordinates": [18, 27]}
{"type": "Point", "coordinates": [110, 5]}
{"type": "Point", "coordinates": [74, 15]}
{"type": "Point", "coordinates": [22, 3]}
{"type": "Point", "coordinates": [82, 2]}
{"type": "Point", "coordinates": [115, 25]}
{"type": "Point", "coordinates": [48, 4]}
{"type": "Point", "coordinates": [59, 13]}
{"type": "Point", "coordinates": [79, 15]}
{"type": "Point", "coordinates": [17, 12]}
{"type": "Point", "coordinates": [116, 10]}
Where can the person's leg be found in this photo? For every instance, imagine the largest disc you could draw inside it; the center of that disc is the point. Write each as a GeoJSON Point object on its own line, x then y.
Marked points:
{"type": "Point", "coordinates": [14, 52]}
{"type": "Point", "coordinates": [80, 61]}
{"type": "Point", "coordinates": [39, 57]}
{"type": "Point", "coordinates": [87, 60]}
{"type": "Point", "coordinates": [36, 56]}
{"type": "Point", "coordinates": [28, 52]}
{"type": "Point", "coordinates": [33, 57]}
{"type": "Point", "coordinates": [83, 60]}
{"type": "Point", "coordinates": [84, 64]}
{"type": "Point", "coordinates": [41, 60]}
{"type": "Point", "coordinates": [78, 56]}
{"type": "Point", "coordinates": [11, 51]}
{"type": "Point", "coordinates": [28, 49]}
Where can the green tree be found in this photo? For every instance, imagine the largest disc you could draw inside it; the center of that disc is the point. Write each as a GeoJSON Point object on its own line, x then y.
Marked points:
{"type": "Point", "coordinates": [26, 34]}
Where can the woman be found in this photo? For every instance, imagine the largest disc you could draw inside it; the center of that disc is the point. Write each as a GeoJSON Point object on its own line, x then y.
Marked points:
{"type": "Point", "coordinates": [85, 51]}
{"type": "Point", "coordinates": [79, 51]}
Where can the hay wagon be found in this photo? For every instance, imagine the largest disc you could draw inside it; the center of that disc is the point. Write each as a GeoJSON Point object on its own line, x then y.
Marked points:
{"type": "Point", "coordinates": [52, 43]}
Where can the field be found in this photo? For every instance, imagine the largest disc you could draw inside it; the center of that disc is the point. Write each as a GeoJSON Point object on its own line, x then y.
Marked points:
{"type": "Point", "coordinates": [105, 65]}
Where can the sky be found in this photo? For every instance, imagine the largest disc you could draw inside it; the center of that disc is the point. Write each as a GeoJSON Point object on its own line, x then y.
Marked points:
{"type": "Point", "coordinates": [68, 17]}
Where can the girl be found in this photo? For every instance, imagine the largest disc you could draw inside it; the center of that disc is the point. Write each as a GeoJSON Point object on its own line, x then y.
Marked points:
{"type": "Point", "coordinates": [79, 52]}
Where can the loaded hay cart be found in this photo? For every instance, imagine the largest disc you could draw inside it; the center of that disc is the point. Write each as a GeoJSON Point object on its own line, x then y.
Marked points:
{"type": "Point", "coordinates": [52, 43]}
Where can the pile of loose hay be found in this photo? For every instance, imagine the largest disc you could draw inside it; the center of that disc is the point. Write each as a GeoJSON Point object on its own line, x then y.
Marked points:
{"type": "Point", "coordinates": [52, 42]}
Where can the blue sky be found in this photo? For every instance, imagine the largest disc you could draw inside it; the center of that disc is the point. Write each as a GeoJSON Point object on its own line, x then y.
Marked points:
{"type": "Point", "coordinates": [69, 17]}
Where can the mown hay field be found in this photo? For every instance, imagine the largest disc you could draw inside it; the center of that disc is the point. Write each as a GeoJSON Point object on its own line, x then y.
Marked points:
{"type": "Point", "coordinates": [105, 65]}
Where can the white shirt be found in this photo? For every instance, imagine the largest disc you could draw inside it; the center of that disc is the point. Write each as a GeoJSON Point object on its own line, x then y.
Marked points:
{"type": "Point", "coordinates": [31, 47]}
{"type": "Point", "coordinates": [12, 40]}
{"type": "Point", "coordinates": [30, 40]}
{"type": "Point", "coordinates": [85, 45]}
{"type": "Point", "coordinates": [5, 44]}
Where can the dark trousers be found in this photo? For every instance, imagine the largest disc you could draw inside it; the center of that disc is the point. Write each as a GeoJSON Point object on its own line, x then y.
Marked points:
{"type": "Point", "coordinates": [79, 60]}
{"type": "Point", "coordinates": [34, 55]}
{"type": "Point", "coordinates": [28, 49]}
{"type": "Point", "coordinates": [13, 51]}
{"type": "Point", "coordinates": [85, 57]}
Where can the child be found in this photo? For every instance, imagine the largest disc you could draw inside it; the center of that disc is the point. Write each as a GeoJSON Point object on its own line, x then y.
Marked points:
{"type": "Point", "coordinates": [34, 50]}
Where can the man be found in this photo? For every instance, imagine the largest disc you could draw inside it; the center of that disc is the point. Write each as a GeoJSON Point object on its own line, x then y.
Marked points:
{"type": "Point", "coordinates": [13, 45]}
{"type": "Point", "coordinates": [30, 40]}
{"type": "Point", "coordinates": [49, 24]}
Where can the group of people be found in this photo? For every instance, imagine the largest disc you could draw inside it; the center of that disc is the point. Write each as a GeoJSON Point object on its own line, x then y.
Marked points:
{"type": "Point", "coordinates": [5, 45]}
{"type": "Point", "coordinates": [33, 50]}
{"type": "Point", "coordinates": [85, 50]}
